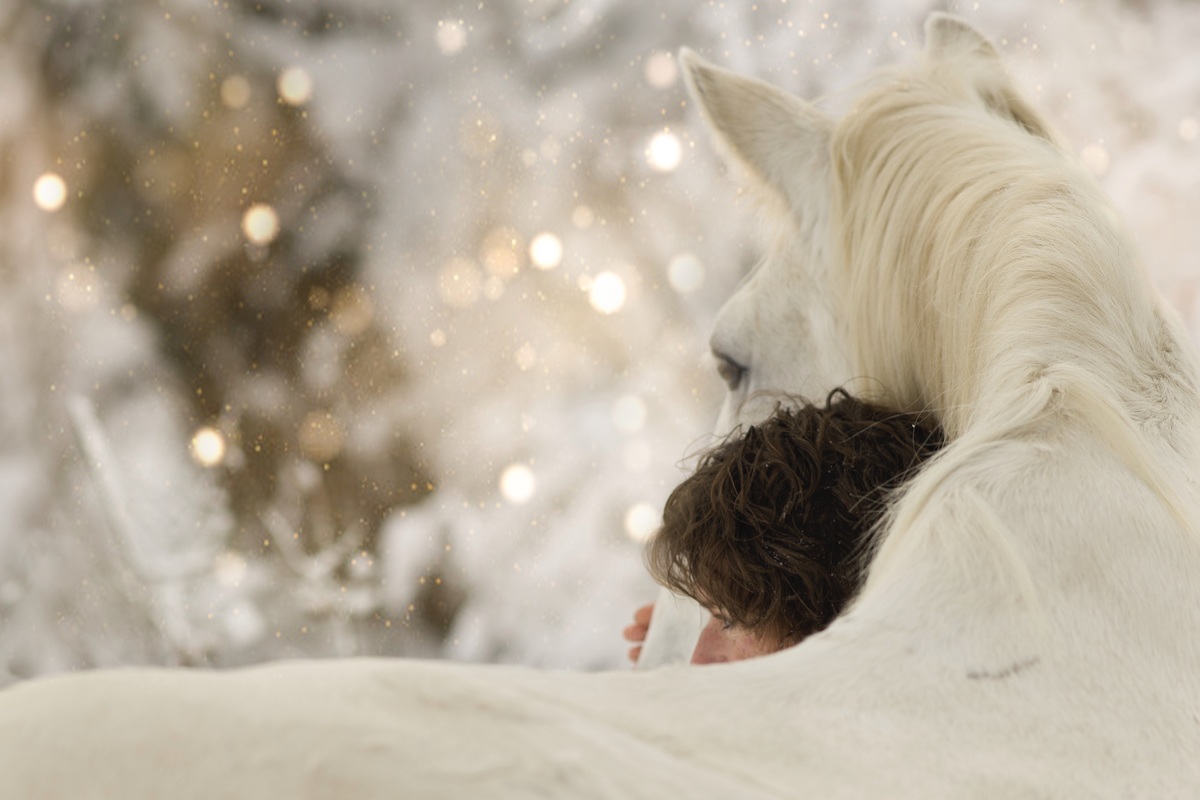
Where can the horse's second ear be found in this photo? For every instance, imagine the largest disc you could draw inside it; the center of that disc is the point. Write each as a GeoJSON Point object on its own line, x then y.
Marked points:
{"type": "Point", "coordinates": [774, 135]}
{"type": "Point", "coordinates": [949, 39]}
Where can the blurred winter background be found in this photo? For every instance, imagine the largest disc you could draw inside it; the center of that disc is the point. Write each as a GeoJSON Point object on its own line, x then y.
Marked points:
{"type": "Point", "coordinates": [377, 327]}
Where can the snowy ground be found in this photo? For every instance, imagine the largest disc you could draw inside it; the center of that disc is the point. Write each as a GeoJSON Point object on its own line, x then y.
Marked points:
{"type": "Point", "coordinates": [551, 238]}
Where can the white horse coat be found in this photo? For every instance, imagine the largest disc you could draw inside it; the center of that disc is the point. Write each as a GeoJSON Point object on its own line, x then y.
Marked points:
{"type": "Point", "coordinates": [1028, 627]}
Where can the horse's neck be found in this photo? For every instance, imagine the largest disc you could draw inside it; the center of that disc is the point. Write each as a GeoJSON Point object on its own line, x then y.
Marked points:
{"type": "Point", "coordinates": [1079, 507]}
{"type": "Point", "coordinates": [1054, 333]}
{"type": "Point", "coordinates": [1069, 395]}
{"type": "Point", "coordinates": [1038, 554]}
{"type": "Point", "coordinates": [1124, 369]}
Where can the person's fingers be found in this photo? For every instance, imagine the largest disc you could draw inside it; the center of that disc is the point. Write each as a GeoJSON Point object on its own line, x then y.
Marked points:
{"type": "Point", "coordinates": [641, 624]}
{"type": "Point", "coordinates": [636, 633]}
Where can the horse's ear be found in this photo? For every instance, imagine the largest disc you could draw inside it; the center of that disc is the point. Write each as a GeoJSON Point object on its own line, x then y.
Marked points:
{"type": "Point", "coordinates": [774, 135]}
{"type": "Point", "coordinates": [949, 39]}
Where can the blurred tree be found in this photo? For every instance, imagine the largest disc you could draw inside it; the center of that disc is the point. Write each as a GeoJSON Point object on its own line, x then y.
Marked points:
{"type": "Point", "coordinates": [219, 217]}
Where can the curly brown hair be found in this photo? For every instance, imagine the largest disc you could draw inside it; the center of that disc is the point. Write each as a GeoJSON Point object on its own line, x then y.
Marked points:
{"type": "Point", "coordinates": [770, 530]}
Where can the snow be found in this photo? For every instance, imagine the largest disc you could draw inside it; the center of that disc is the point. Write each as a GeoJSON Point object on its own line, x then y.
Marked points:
{"type": "Point", "coordinates": [542, 238]}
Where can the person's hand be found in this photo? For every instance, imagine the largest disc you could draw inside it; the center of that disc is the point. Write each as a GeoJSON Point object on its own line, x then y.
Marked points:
{"type": "Point", "coordinates": [636, 633]}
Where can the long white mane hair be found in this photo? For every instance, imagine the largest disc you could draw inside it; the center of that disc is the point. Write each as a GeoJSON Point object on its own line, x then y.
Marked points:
{"type": "Point", "coordinates": [983, 275]}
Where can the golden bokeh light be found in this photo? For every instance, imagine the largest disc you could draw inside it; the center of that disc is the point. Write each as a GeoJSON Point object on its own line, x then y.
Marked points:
{"type": "Point", "coordinates": [208, 447]}
{"type": "Point", "coordinates": [451, 36]}
{"type": "Point", "coordinates": [607, 293]}
{"type": "Point", "coordinates": [295, 86]}
{"type": "Point", "coordinates": [664, 152]}
{"type": "Point", "coordinates": [582, 217]}
{"type": "Point", "coordinates": [685, 273]}
{"type": "Point", "coordinates": [517, 484]}
{"type": "Point", "coordinates": [546, 251]}
{"type": "Point", "coordinates": [642, 521]}
{"type": "Point", "coordinates": [235, 91]}
{"type": "Point", "coordinates": [660, 70]}
{"type": "Point", "coordinates": [629, 413]}
{"type": "Point", "coordinates": [320, 436]}
{"type": "Point", "coordinates": [50, 192]}
{"type": "Point", "coordinates": [260, 224]}
{"type": "Point", "coordinates": [352, 311]}
{"type": "Point", "coordinates": [500, 252]}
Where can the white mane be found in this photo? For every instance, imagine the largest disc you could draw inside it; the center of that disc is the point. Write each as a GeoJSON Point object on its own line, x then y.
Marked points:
{"type": "Point", "coordinates": [985, 277]}
{"type": "Point", "coordinates": [976, 257]}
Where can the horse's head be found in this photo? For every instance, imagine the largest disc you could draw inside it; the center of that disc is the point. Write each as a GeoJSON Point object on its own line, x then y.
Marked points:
{"type": "Point", "coordinates": [779, 331]}
{"type": "Point", "coordinates": [811, 317]}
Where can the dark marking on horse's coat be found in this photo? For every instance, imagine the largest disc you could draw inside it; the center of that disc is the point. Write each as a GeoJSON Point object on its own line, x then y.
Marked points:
{"type": "Point", "coordinates": [1006, 672]}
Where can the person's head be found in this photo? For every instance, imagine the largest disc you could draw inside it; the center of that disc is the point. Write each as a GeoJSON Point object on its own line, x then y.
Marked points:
{"type": "Point", "coordinates": [770, 530]}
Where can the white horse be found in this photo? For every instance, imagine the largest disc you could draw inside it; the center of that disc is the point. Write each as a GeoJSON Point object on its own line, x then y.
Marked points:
{"type": "Point", "coordinates": [1028, 626]}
